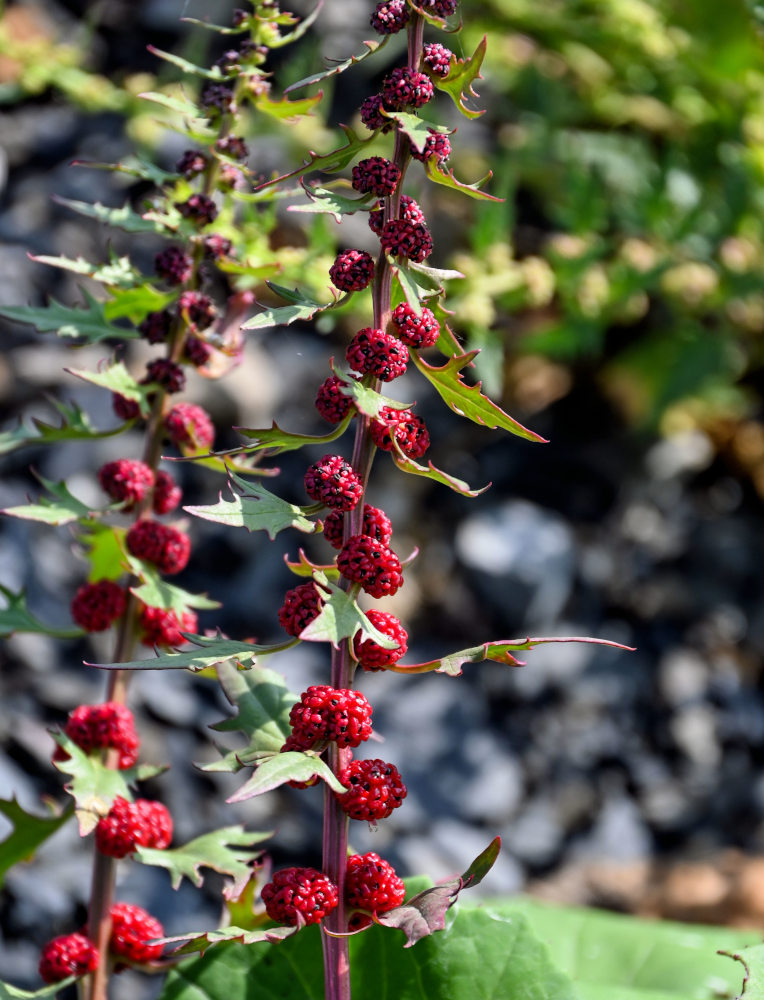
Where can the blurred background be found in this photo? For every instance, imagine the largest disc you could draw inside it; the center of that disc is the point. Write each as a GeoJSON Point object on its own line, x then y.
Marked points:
{"type": "Point", "coordinates": [617, 296]}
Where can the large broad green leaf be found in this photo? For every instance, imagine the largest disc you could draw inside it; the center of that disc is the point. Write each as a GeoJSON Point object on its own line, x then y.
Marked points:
{"type": "Point", "coordinates": [278, 440]}
{"type": "Point", "coordinates": [331, 162]}
{"type": "Point", "coordinates": [89, 324]}
{"type": "Point", "coordinates": [303, 307]}
{"type": "Point", "coordinates": [29, 831]}
{"type": "Point", "coordinates": [263, 703]}
{"type": "Point", "coordinates": [104, 545]}
{"type": "Point", "coordinates": [467, 400]}
{"type": "Point", "coordinates": [61, 507]}
{"type": "Point", "coordinates": [340, 618]}
{"type": "Point", "coordinates": [209, 652]}
{"type": "Point", "coordinates": [479, 956]}
{"type": "Point", "coordinates": [611, 955]}
{"type": "Point", "coordinates": [255, 509]}
{"type": "Point", "coordinates": [279, 768]}
{"type": "Point", "coordinates": [16, 617]}
{"type": "Point", "coordinates": [462, 74]}
{"type": "Point", "coordinates": [227, 851]}
{"type": "Point", "coordinates": [94, 786]}
{"type": "Point", "coordinates": [340, 67]}
{"type": "Point", "coordinates": [121, 218]}
{"type": "Point", "coordinates": [156, 592]}
{"type": "Point", "coordinates": [8, 992]}
{"type": "Point", "coordinates": [499, 651]}
{"type": "Point", "coordinates": [415, 128]}
{"type": "Point", "coordinates": [75, 425]}
{"type": "Point", "coordinates": [136, 303]}
{"type": "Point", "coordinates": [118, 379]}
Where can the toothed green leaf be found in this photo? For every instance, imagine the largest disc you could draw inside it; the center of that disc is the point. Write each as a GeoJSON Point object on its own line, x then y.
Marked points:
{"type": "Point", "coordinates": [123, 217]}
{"type": "Point", "coordinates": [208, 653]}
{"type": "Point", "coordinates": [118, 379]}
{"type": "Point", "coordinates": [444, 176]}
{"type": "Point", "coordinates": [461, 75]}
{"type": "Point", "coordinates": [89, 324]}
{"type": "Point", "coordinates": [340, 618]}
{"type": "Point", "coordinates": [16, 617]}
{"type": "Point", "coordinates": [308, 81]}
{"type": "Point", "coordinates": [277, 440]}
{"type": "Point", "coordinates": [263, 703]}
{"type": "Point", "coordinates": [283, 767]}
{"type": "Point", "coordinates": [75, 426]}
{"type": "Point", "coordinates": [28, 833]}
{"type": "Point", "coordinates": [256, 510]}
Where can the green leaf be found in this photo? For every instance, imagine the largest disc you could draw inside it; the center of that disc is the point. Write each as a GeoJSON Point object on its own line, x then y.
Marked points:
{"type": "Point", "coordinates": [340, 618]}
{"type": "Point", "coordinates": [16, 617]}
{"type": "Point", "coordinates": [433, 278]}
{"type": "Point", "coordinates": [133, 166]}
{"type": "Point", "coordinates": [105, 549]}
{"type": "Point", "coordinates": [208, 26]}
{"type": "Point", "coordinates": [286, 110]}
{"type": "Point", "coordinates": [365, 398]}
{"type": "Point", "coordinates": [413, 292]}
{"type": "Point", "coordinates": [209, 652]}
{"type": "Point", "coordinates": [29, 831]}
{"type": "Point", "coordinates": [8, 992]}
{"type": "Point", "coordinates": [445, 177]}
{"type": "Point", "coordinates": [75, 425]}
{"type": "Point", "coordinates": [263, 703]}
{"type": "Point", "coordinates": [156, 592]}
{"type": "Point", "coordinates": [299, 31]}
{"type": "Point", "coordinates": [308, 81]}
{"type": "Point", "coordinates": [416, 129]}
{"type": "Point", "coordinates": [305, 568]}
{"type": "Point", "coordinates": [752, 960]}
{"type": "Point", "coordinates": [89, 324]}
{"type": "Point", "coordinates": [303, 308]}
{"type": "Point", "coordinates": [283, 767]}
{"type": "Point", "coordinates": [278, 440]}
{"type": "Point", "coordinates": [330, 163]}
{"type": "Point", "coordinates": [461, 75]}
{"type": "Point", "coordinates": [121, 218]}
{"type": "Point", "coordinates": [95, 786]}
{"type": "Point", "coordinates": [467, 400]}
{"type": "Point", "coordinates": [429, 471]}
{"type": "Point", "coordinates": [134, 304]}
{"type": "Point", "coordinates": [326, 202]}
{"type": "Point", "coordinates": [63, 508]}
{"type": "Point", "coordinates": [256, 510]}
{"type": "Point", "coordinates": [206, 939]}
{"type": "Point", "coordinates": [179, 105]}
{"type": "Point", "coordinates": [220, 850]}
{"type": "Point", "coordinates": [479, 955]}
{"type": "Point", "coordinates": [499, 651]}
{"type": "Point", "coordinates": [183, 64]}
{"type": "Point", "coordinates": [116, 378]}
{"type": "Point", "coordinates": [119, 272]}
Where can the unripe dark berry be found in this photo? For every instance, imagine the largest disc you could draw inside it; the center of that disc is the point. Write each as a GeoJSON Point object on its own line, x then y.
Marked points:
{"type": "Point", "coordinates": [375, 523]}
{"type": "Point", "coordinates": [189, 428]}
{"type": "Point", "coordinates": [126, 480]}
{"type": "Point", "coordinates": [299, 895]}
{"type": "Point", "coordinates": [197, 309]}
{"type": "Point", "coordinates": [192, 163]}
{"type": "Point", "coordinates": [199, 209]}
{"type": "Point", "coordinates": [440, 8]}
{"type": "Point", "coordinates": [325, 713]}
{"type": "Point", "coordinates": [164, 546]}
{"type": "Point", "coordinates": [371, 114]}
{"type": "Point", "coordinates": [217, 247]}
{"type": "Point", "coordinates": [375, 789]}
{"type": "Point", "coordinates": [374, 352]}
{"type": "Point", "coordinates": [233, 146]}
{"type": "Point", "coordinates": [301, 605]}
{"type": "Point", "coordinates": [96, 606]}
{"type": "Point", "coordinates": [162, 627]}
{"type": "Point", "coordinates": [415, 331]}
{"type": "Point", "coordinates": [68, 955]}
{"type": "Point", "coordinates": [331, 401]}
{"type": "Point", "coordinates": [390, 17]}
{"type": "Point", "coordinates": [217, 99]}
{"type": "Point", "coordinates": [372, 656]}
{"type": "Point", "coordinates": [166, 374]}
{"type": "Point", "coordinates": [173, 265]}
{"type": "Point", "coordinates": [352, 270]}
{"type": "Point", "coordinates": [377, 568]}
{"type": "Point", "coordinates": [156, 326]}
{"type": "Point", "coordinates": [333, 482]}
{"type": "Point", "coordinates": [408, 429]}
{"type": "Point", "coordinates": [376, 175]}
{"type": "Point", "coordinates": [124, 408]}
{"type": "Point", "coordinates": [131, 930]}
{"type": "Point", "coordinates": [405, 87]}
{"type": "Point", "coordinates": [402, 238]}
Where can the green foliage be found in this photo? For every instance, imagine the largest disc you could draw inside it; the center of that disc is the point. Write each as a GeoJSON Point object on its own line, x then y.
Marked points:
{"type": "Point", "coordinates": [340, 617]}
{"type": "Point", "coordinates": [116, 378]}
{"type": "Point", "coordinates": [8, 992]}
{"type": "Point", "coordinates": [279, 768]}
{"type": "Point", "coordinates": [60, 508]}
{"type": "Point", "coordinates": [16, 617]}
{"type": "Point", "coordinates": [304, 308]}
{"type": "Point", "coordinates": [209, 653]}
{"type": "Point", "coordinates": [28, 833]}
{"type": "Point", "coordinates": [88, 324]}
{"type": "Point", "coordinates": [256, 510]}
{"type": "Point", "coordinates": [263, 702]}
{"type": "Point", "coordinates": [74, 426]}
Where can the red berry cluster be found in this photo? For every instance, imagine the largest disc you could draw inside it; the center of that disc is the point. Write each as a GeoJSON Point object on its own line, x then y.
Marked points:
{"type": "Point", "coordinates": [331, 402]}
{"type": "Point", "coordinates": [297, 896]}
{"type": "Point", "coordinates": [376, 175]}
{"type": "Point", "coordinates": [375, 523]}
{"type": "Point", "coordinates": [390, 17]}
{"type": "Point", "coordinates": [109, 726]}
{"type": "Point", "coordinates": [325, 714]}
{"type": "Point", "coordinates": [374, 789]}
{"type": "Point", "coordinates": [96, 606]}
{"type": "Point", "coordinates": [374, 352]}
{"type": "Point", "coordinates": [332, 481]}
{"type": "Point", "coordinates": [128, 825]}
{"type": "Point", "coordinates": [352, 270]}
{"type": "Point", "coordinates": [164, 546]}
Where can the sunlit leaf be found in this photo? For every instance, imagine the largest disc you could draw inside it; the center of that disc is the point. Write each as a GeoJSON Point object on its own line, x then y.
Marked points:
{"type": "Point", "coordinates": [325, 202]}
{"type": "Point", "coordinates": [201, 941]}
{"type": "Point", "coordinates": [187, 67]}
{"type": "Point", "coordinates": [263, 703]}
{"type": "Point", "coordinates": [121, 218]}
{"type": "Point", "coordinates": [75, 425]}
{"type": "Point", "coordinates": [116, 378]}
{"type": "Point", "coordinates": [340, 618]}
{"type": "Point", "coordinates": [429, 471]}
{"type": "Point", "coordinates": [255, 509]}
{"type": "Point", "coordinates": [366, 399]}
{"type": "Point", "coordinates": [286, 110]}
{"type": "Point", "coordinates": [58, 508]}
{"type": "Point", "coordinates": [462, 74]}
{"type": "Point", "coordinates": [415, 128]}
{"type": "Point", "coordinates": [119, 272]}
{"type": "Point", "coordinates": [156, 592]}
{"type": "Point", "coordinates": [303, 308]}
{"type": "Point", "coordinates": [278, 440]}
{"type": "Point", "coordinates": [209, 651]}
{"type": "Point", "coordinates": [445, 176]}
{"type": "Point", "coordinates": [88, 324]}
{"type": "Point", "coordinates": [280, 768]}
{"type": "Point", "coordinates": [331, 162]}
{"type": "Point", "coordinates": [16, 617]}
{"type": "Point", "coordinates": [340, 67]}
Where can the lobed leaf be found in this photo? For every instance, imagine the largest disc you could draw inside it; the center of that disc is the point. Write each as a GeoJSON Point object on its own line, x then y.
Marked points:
{"type": "Point", "coordinates": [326, 202]}
{"type": "Point", "coordinates": [279, 440]}
{"type": "Point", "coordinates": [303, 308]}
{"type": "Point", "coordinates": [16, 617]}
{"type": "Point", "coordinates": [256, 509]}
{"type": "Point", "coordinates": [417, 129]}
{"type": "Point", "coordinates": [340, 67]}
{"type": "Point", "coordinates": [206, 939]}
{"type": "Point", "coordinates": [183, 64]}
{"type": "Point", "coordinates": [429, 471]}
{"type": "Point", "coordinates": [221, 851]}
{"type": "Point", "coordinates": [446, 178]}
{"type": "Point", "coordinates": [305, 568]}
{"type": "Point", "coordinates": [28, 833]}
{"type": "Point", "coordinates": [280, 768]}
{"type": "Point", "coordinates": [134, 304]}
{"type": "Point", "coordinates": [366, 399]}
{"type": "Point", "coordinates": [461, 75]}
{"type": "Point", "coordinates": [134, 166]}
{"type": "Point", "coordinates": [124, 217]}
{"type": "Point", "coordinates": [119, 272]}
{"type": "Point", "coordinates": [263, 703]}
{"type": "Point", "coordinates": [116, 378]}
{"type": "Point", "coordinates": [286, 110]}
{"type": "Point", "coordinates": [89, 324]}
{"type": "Point", "coordinates": [8, 992]}
{"type": "Point", "coordinates": [340, 618]}
{"type": "Point", "coordinates": [209, 652]}
{"type": "Point", "coordinates": [180, 105]}
{"type": "Point", "coordinates": [60, 508]}
{"type": "Point", "coordinates": [467, 400]}
{"type": "Point", "coordinates": [75, 425]}
{"type": "Point", "coordinates": [299, 31]}
{"type": "Point", "coordinates": [105, 547]}
{"type": "Point", "coordinates": [156, 592]}
{"type": "Point", "coordinates": [330, 163]}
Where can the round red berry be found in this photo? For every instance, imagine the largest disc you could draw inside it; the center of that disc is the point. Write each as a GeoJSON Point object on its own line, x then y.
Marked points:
{"type": "Point", "coordinates": [196, 351]}
{"type": "Point", "coordinates": [377, 568]}
{"type": "Point", "coordinates": [217, 247]}
{"type": "Point", "coordinates": [402, 238]}
{"type": "Point", "coordinates": [199, 209]}
{"type": "Point", "coordinates": [126, 480]}
{"type": "Point", "coordinates": [437, 58]}
{"type": "Point", "coordinates": [299, 896]}
{"type": "Point", "coordinates": [167, 374]}
{"type": "Point", "coordinates": [325, 713]}
{"type": "Point", "coordinates": [131, 930]}
{"type": "Point", "coordinates": [301, 605]}
{"type": "Point", "coordinates": [189, 428]}
{"type": "Point", "coordinates": [374, 352]}
{"type": "Point", "coordinates": [405, 87]}
{"type": "Point", "coordinates": [375, 523]}
{"type": "Point", "coordinates": [436, 147]}
{"type": "Point", "coordinates": [352, 270]}
{"type": "Point", "coordinates": [156, 326]}
{"type": "Point", "coordinates": [68, 955]}
{"type": "Point", "coordinates": [372, 656]}
{"type": "Point", "coordinates": [161, 626]}
{"type": "Point", "coordinates": [332, 481]}
{"type": "Point", "coordinates": [376, 175]}
{"type": "Point", "coordinates": [440, 8]}
{"type": "Point", "coordinates": [371, 114]}
{"type": "Point", "coordinates": [157, 821]}
{"type": "Point", "coordinates": [374, 788]}
{"type": "Point", "coordinates": [371, 884]}
{"type": "Point", "coordinates": [390, 17]}
{"type": "Point", "coordinates": [331, 401]}
{"type": "Point", "coordinates": [173, 265]}
{"type": "Point", "coordinates": [166, 547]}
{"type": "Point", "coordinates": [96, 606]}
{"type": "Point", "coordinates": [416, 330]}
{"type": "Point", "coordinates": [167, 493]}
{"type": "Point", "coordinates": [409, 430]}
{"type": "Point", "coordinates": [128, 825]}
{"type": "Point", "coordinates": [124, 408]}
{"type": "Point", "coordinates": [109, 726]}
{"type": "Point", "coordinates": [409, 211]}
